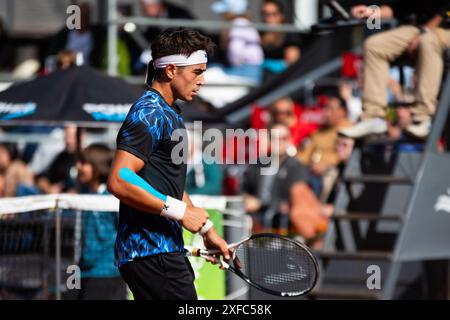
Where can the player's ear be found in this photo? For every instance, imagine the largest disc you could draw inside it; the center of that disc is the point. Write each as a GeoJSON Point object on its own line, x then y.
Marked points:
{"type": "Point", "coordinates": [170, 71]}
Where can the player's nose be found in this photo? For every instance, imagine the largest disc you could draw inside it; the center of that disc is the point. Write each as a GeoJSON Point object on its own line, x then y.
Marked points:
{"type": "Point", "coordinates": [201, 80]}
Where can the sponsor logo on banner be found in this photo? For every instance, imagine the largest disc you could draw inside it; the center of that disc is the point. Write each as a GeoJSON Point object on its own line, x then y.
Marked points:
{"type": "Point", "coordinates": [16, 110]}
{"type": "Point", "coordinates": [443, 202]}
{"type": "Point", "coordinates": [107, 112]}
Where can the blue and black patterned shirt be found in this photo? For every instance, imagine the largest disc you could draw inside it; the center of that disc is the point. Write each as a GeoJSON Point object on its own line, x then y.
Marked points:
{"type": "Point", "coordinates": [146, 133]}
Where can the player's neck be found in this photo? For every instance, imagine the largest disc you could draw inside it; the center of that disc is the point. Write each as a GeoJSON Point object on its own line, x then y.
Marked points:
{"type": "Point", "coordinates": [165, 91]}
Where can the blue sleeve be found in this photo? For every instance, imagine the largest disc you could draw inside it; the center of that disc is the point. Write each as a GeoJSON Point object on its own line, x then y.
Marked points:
{"type": "Point", "coordinates": [141, 132]}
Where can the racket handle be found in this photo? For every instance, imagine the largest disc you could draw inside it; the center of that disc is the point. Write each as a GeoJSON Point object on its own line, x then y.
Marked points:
{"type": "Point", "coordinates": [196, 252]}
{"type": "Point", "coordinates": [209, 252]}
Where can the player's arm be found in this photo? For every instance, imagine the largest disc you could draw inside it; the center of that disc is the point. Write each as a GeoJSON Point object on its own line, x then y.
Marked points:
{"type": "Point", "coordinates": [127, 192]}
{"type": "Point", "coordinates": [211, 239]}
{"type": "Point", "coordinates": [187, 199]}
{"type": "Point", "coordinates": [191, 218]}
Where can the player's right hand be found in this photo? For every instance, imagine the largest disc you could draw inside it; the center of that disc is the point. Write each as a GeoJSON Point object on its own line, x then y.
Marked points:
{"type": "Point", "coordinates": [194, 219]}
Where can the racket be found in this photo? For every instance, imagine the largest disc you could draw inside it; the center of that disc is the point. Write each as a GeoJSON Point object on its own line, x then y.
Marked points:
{"type": "Point", "coordinates": [272, 263]}
{"type": "Point", "coordinates": [269, 262]}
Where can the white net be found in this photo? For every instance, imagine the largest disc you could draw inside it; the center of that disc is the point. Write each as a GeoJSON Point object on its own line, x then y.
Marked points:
{"type": "Point", "coordinates": [42, 234]}
{"type": "Point", "coordinates": [32, 239]}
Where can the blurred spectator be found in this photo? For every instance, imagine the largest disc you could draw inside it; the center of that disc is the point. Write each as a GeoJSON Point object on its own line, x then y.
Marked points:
{"type": "Point", "coordinates": [161, 9]}
{"type": "Point", "coordinates": [352, 100]}
{"type": "Point", "coordinates": [61, 174]}
{"type": "Point", "coordinates": [157, 9]}
{"type": "Point", "coordinates": [66, 59]}
{"type": "Point", "coordinates": [204, 176]}
{"type": "Point", "coordinates": [283, 111]}
{"type": "Point", "coordinates": [401, 119]}
{"type": "Point", "coordinates": [284, 201]}
{"type": "Point", "coordinates": [302, 119]}
{"type": "Point", "coordinates": [397, 92]}
{"type": "Point", "coordinates": [18, 180]}
{"type": "Point", "coordinates": [100, 278]}
{"type": "Point", "coordinates": [241, 42]}
{"type": "Point", "coordinates": [319, 152]}
{"type": "Point", "coordinates": [88, 39]}
{"type": "Point", "coordinates": [420, 36]}
{"type": "Point", "coordinates": [91, 43]}
{"type": "Point", "coordinates": [344, 148]}
{"type": "Point", "coordinates": [280, 49]}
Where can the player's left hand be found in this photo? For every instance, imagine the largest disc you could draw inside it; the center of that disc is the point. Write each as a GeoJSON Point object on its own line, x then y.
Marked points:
{"type": "Point", "coordinates": [212, 240]}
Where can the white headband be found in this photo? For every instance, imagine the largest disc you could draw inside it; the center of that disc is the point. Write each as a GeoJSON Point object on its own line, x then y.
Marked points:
{"type": "Point", "coordinates": [196, 57]}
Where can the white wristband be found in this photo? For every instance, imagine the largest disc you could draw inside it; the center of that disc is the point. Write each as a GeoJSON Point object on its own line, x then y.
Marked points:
{"type": "Point", "coordinates": [208, 225]}
{"type": "Point", "coordinates": [173, 208]}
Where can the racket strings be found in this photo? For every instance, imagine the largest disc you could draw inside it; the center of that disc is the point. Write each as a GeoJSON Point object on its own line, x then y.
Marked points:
{"type": "Point", "coordinates": [277, 264]}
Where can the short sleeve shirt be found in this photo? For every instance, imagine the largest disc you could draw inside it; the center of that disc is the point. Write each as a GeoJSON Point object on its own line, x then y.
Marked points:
{"type": "Point", "coordinates": [291, 171]}
{"type": "Point", "coordinates": [147, 134]}
{"type": "Point", "coordinates": [271, 189]}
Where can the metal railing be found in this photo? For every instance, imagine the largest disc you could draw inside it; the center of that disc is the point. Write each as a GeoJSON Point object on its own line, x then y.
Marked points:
{"type": "Point", "coordinates": [40, 236]}
{"type": "Point", "coordinates": [114, 20]}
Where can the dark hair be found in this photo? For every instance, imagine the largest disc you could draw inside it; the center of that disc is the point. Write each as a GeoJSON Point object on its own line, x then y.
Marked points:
{"type": "Point", "coordinates": [12, 150]}
{"type": "Point", "coordinates": [277, 3]}
{"type": "Point", "coordinates": [100, 157]}
{"type": "Point", "coordinates": [176, 41]}
{"type": "Point", "coordinates": [66, 53]}
{"type": "Point", "coordinates": [342, 102]}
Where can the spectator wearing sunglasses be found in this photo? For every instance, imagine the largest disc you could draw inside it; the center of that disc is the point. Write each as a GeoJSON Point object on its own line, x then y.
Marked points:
{"type": "Point", "coordinates": [284, 202]}
{"type": "Point", "coordinates": [284, 111]}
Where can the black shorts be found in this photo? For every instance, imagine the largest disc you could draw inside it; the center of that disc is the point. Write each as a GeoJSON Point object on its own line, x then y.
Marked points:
{"type": "Point", "coordinates": [166, 276]}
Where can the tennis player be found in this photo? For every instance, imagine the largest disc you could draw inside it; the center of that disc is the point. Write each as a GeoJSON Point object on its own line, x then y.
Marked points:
{"type": "Point", "coordinates": [149, 246]}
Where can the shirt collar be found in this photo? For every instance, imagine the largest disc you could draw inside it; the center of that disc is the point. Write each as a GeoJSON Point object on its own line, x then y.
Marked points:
{"type": "Point", "coordinates": [175, 107]}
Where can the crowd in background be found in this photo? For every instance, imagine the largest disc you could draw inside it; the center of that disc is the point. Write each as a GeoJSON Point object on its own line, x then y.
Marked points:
{"type": "Point", "coordinates": [298, 199]}
{"type": "Point", "coordinates": [315, 144]}
{"type": "Point", "coordinates": [240, 51]}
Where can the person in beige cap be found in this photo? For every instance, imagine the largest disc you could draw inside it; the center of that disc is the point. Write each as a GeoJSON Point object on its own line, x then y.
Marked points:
{"type": "Point", "coordinates": [427, 40]}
